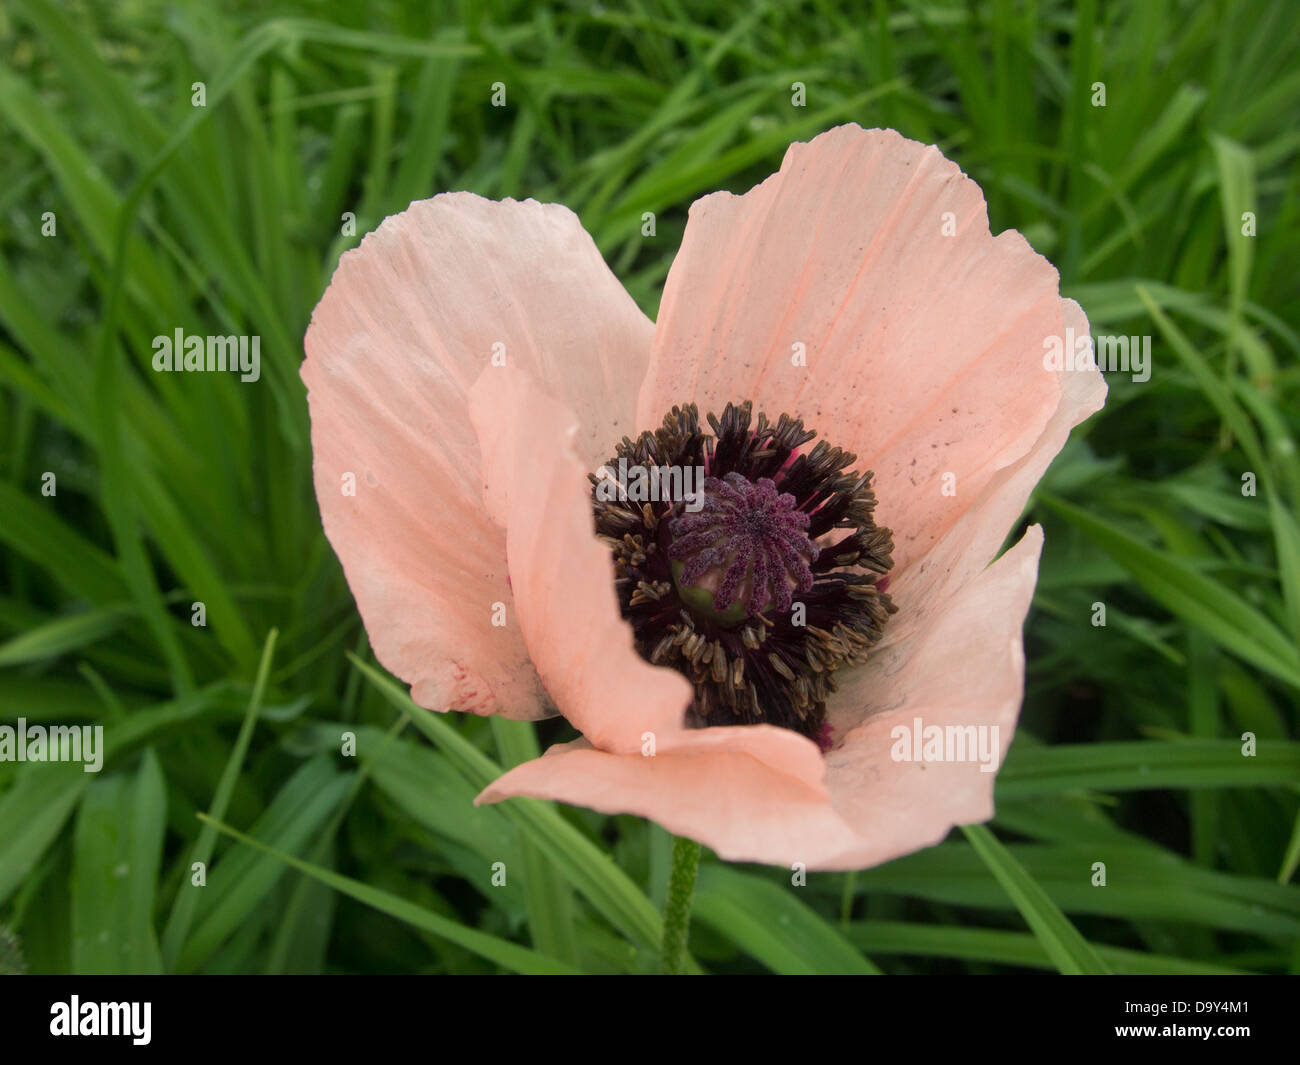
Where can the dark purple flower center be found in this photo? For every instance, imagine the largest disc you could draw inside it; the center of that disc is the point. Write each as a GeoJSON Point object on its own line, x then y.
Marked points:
{"type": "Point", "coordinates": [748, 564]}
{"type": "Point", "coordinates": [748, 540]}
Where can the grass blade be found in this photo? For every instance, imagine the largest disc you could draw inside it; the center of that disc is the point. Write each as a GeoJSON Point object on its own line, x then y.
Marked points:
{"type": "Point", "coordinates": [1069, 951]}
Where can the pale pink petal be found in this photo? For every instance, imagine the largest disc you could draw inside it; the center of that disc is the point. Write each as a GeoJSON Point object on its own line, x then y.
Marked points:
{"type": "Point", "coordinates": [923, 350]}
{"type": "Point", "coordinates": [742, 808]}
{"type": "Point", "coordinates": [967, 668]}
{"type": "Point", "coordinates": [407, 325]}
{"type": "Point", "coordinates": [924, 588]}
{"type": "Point", "coordinates": [536, 489]}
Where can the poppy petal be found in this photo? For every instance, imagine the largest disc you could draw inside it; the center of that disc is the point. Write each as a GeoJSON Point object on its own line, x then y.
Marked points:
{"type": "Point", "coordinates": [409, 322]}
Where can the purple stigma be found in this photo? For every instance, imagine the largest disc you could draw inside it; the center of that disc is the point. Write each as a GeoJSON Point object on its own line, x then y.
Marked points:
{"type": "Point", "coordinates": [745, 530]}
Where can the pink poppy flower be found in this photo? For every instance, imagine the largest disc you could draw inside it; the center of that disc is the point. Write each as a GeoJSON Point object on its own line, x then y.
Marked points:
{"type": "Point", "coordinates": [738, 664]}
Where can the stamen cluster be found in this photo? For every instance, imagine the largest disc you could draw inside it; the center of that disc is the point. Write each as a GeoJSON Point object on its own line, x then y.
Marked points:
{"type": "Point", "coordinates": [750, 592]}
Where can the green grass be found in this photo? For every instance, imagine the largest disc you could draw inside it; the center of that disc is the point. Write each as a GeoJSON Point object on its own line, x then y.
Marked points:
{"type": "Point", "coordinates": [223, 740]}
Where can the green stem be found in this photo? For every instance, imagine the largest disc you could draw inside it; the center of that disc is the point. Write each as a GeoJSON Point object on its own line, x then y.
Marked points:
{"type": "Point", "coordinates": [846, 900]}
{"type": "Point", "coordinates": [677, 907]}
